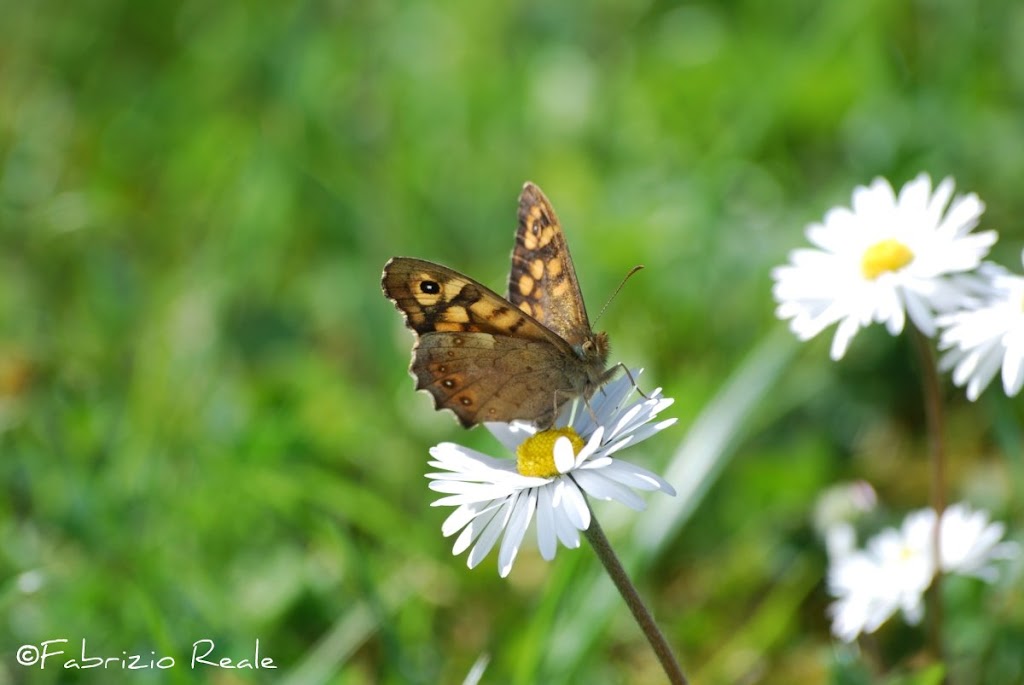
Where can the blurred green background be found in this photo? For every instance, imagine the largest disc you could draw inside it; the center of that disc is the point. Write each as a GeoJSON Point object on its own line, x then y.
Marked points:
{"type": "Point", "coordinates": [207, 429]}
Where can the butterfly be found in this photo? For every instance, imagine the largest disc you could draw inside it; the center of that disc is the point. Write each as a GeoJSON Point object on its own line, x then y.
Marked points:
{"type": "Point", "coordinates": [491, 358]}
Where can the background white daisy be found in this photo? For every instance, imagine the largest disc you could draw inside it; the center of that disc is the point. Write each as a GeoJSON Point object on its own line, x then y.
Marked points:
{"type": "Point", "coordinates": [896, 567]}
{"type": "Point", "coordinates": [881, 260]}
{"type": "Point", "coordinates": [985, 340]}
{"type": "Point", "coordinates": [865, 601]}
{"type": "Point", "coordinates": [970, 543]}
{"type": "Point", "coordinates": [891, 574]}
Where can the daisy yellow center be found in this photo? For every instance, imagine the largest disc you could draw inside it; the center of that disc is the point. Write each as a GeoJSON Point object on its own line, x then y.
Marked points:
{"type": "Point", "coordinates": [536, 455]}
{"type": "Point", "coordinates": [887, 255]}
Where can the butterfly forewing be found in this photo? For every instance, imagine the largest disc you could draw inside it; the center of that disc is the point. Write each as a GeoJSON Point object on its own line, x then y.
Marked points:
{"type": "Point", "coordinates": [542, 281]}
{"type": "Point", "coordinates": [434, 298]}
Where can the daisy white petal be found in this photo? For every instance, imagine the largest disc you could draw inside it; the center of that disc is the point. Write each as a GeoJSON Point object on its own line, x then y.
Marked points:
{"type": "Point", "coordinates": [510, 435]}
{"type": "Point", "coordinates": [463, 457]}
{"type": "Point", "coordinates": [886, 258]}
{"type": "Point", "coordinates": [575, 505]}
{"type": "Point", "coordinates": [546, 534]}
{"type": "Point", "coordinates": [638, 478]}
{"type": "Point", "coordinates": [987, 338]}
{"type": "Point", "coordinates": [859, 582]}
{"type": "Point", "coordinates": [522, 512]}
{"type": "Point", "coordinates": [465, 539]}
{"type": "Point", "coordinates": [645, 431]}
{"type": "Point", "coordinates": [606, 489]}
{"type": "Point", "coordinates": [970, 544]}
{"type": "Point", "coordinates": [487, 533]}
{"type": "Point", "coordinates": [465, 514]}
{"type": "Point", "coordinates": [566, 529]}
{"type": "Point", "coordinates": [565, 460]}
{"type": "Point", "coordinates": [586, 455]}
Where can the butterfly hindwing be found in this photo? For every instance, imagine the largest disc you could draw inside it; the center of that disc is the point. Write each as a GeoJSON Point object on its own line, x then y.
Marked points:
{"type": "Point", "coordinates": [485, 377]}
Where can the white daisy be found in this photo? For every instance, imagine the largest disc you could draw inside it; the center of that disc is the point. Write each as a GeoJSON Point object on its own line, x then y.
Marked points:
{"type": "Point", "coordinates": [897, 567]}
{"type": "Point", "coordinates": [883, 259]}
{"type": "Point", "coordinates": [548, 480]}
{"type": "Point", "coordinates": [860, 583]}
{"type": "Point", "coordinates": [969, 543]}
{"type": "Point", "coordinates": [983, 340]}
{"type": "Point", "coordinates": [891, 574]}
{"type": "Point", "coordinates": [907, 557]}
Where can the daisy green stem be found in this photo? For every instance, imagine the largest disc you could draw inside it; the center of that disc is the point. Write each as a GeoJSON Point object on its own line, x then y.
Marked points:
{"type": "Point", "coordinates": [596, 537]}
{"type": "Point", "coordinates": [871, 655]}
{"type": "Point", "coordinates": [937, 459]}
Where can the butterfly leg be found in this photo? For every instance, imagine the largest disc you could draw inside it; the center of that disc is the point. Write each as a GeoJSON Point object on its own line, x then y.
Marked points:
{"type": "Point", "coordinates": [590, 410]}
{"type": "Point", "coordinates": [586, 403]}
{"type": "Point", "coordinates": [632, 380]}
{"type": "Point", "coordinates": [558, 399]}
{"type": "Point", "coordinates": [593, 416]}
{"type": "Point", "coordinates": [560, 396]}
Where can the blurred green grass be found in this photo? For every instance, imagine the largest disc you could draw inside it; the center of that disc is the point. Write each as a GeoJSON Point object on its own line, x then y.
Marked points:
{"type": "Point", "coordinates": [206, 425]}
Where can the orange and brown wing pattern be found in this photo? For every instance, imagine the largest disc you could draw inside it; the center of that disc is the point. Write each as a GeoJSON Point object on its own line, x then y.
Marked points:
{"type": "Point", "coordinates": [485, 377]}
{"type": "Point", "coordinates": [542, 281]}
{"type": "Point", "coordinates": [475, 353]}
{"type": "Point", "coordinates": [488, 358]}
{"type": "Point", "coordinates": [434, 298]}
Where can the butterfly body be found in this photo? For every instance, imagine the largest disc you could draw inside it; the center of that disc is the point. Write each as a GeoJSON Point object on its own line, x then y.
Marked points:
{"type": "Point", "coordinates": [491, 358]}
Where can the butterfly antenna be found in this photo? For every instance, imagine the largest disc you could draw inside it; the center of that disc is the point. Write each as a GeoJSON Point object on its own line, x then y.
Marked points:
{"type": "Point", "coordinates": [632, 271]}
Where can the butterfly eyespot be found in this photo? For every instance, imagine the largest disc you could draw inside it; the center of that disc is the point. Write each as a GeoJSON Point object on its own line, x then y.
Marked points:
{"type": "Point", "coordinates": [465, 401]}
{"type": "Point", "coordinates": [430, 287]}
{"type": "Point", "coordinates": [448, 383]}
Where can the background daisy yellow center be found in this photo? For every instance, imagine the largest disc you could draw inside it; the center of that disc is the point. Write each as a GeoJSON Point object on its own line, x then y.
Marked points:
{"type": "Point", "coordinates": [887, 255]}
{"type": "Point", "coordinates": [535, 456]}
